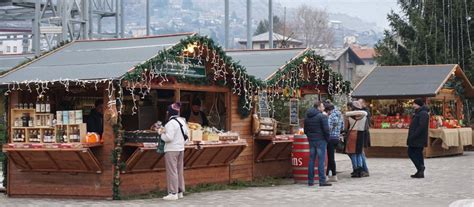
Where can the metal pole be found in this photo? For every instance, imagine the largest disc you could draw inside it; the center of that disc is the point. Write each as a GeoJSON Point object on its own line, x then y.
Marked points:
{"type": "Point", "coordinates": [270, 23]}
{"type": "Point", "coordinates": [147, 17]}
{"type": "Point", "coordinates": [99, 25]}
{"type": "Point", "coordinates": [117, 13]}
{"type": "Point", "coordinates": [249, 24]}
{"type": "Point", "coordinates": [226, 24]}
{"type": "Point", "coordinates": [122, 17]}
{"type": "Point", "coordinates": [64, 19]}
{"type": "Point", "coordinates": [85, 17]}
{"type": "Point", "coordinates": [91, 19]}
{"type": "Point", "coordinates": [36, 28]}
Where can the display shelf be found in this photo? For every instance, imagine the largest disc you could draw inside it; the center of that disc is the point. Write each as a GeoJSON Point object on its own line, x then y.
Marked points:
{"type": "Point", "coordinates": [146, 159]}
{"type": "Point", "coordinates": [268, 148]}
{"type": "Point", "coordinates": [36, 127]}
{"type": "Point", "coordinates": [67, 159]}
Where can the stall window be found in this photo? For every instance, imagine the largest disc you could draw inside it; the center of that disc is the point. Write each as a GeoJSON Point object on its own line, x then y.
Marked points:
{"type": "Point", "coordinates": [262, 46]}
{"type": "Point", "coordinates": [213, 107]}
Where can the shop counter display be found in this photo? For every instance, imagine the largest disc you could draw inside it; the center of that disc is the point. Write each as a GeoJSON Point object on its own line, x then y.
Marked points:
{"type": "Point", "coordinates": [143, 156]}
{"type": "Point", "coordinates": [272, 156]}
{"type": "Point", "coordinates": [441, 142]}
{"type": "Point", "coordinates": [68, 158]}
{"type": "Point", "coordinates": [465, 136]}
{"type": "Point", "coordinates": [272, 148]}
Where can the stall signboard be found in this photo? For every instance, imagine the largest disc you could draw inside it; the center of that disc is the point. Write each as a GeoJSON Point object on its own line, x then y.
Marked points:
{"type": "Point", "coordinates": [294, 118]}
{"type": "Point", "coordinates": [183, 69]}
{"type": "Point", "coordinates": [263, 104]}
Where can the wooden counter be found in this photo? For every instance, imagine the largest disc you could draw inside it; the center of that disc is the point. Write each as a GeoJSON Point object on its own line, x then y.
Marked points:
{"type": "Point", "coordinates": [272, 149]}
{"type": "Point", "coordinates": [145, 158]}
{"type": "Point", "coordinates": [272, 156]}
{"type": "Point", "coordinates": [441, 142]}
{"type": "Point", "coordinates": [67, 158]}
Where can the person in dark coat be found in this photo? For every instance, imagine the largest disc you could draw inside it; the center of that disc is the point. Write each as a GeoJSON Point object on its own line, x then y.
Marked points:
{"type": "Point", "coordinates": [418, 136]}
{"type": "Point", "coordinates": [195, 115]}
{"type": "Point", "coordinates": [95, 121]}
{"type": "Point", "coordinates": [316, 128]}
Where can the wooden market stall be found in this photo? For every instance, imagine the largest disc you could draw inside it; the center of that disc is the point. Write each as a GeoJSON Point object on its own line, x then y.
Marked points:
{"type": "Point", "coordinates": [290, 74]}
{"type": "Point", "coordinates": [137, 79]}
{"type": "Point", "coordinates": [390, 91]}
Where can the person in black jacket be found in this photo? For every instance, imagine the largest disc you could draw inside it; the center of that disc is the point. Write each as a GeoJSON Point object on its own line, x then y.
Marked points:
{"type": "Point", "coordinates": [418, 136]}
{"type": "Point", "coordinates": [95, 121]}
{"type": "Point", "coordinates": [195, 115]}
{"type": "Point", "coordinates": [316, 128]}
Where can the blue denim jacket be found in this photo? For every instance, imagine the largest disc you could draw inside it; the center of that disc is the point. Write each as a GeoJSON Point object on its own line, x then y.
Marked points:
{"type": "Point", "coordinates": [336, 123]}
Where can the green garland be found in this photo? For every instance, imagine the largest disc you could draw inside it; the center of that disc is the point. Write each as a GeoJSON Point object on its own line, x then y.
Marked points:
{"type": "Point", "coordinates": [4, 140]}
{"type": "Point", "coordinates": [325, 73]}
{"type": "Point", "coordinates": [118, 163]}
{"type": "Point", "coordinates": [457, 84]}
{"type": "Point", "coordinates": [174, 54]}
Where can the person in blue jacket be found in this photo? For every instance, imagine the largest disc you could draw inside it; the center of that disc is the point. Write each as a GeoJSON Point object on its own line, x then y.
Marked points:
{"type": "Point", "coordinates": [316, 128]}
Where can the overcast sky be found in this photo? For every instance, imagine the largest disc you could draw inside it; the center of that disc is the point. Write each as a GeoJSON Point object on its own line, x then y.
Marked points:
{"type": "Point", "coordinates": [368, 10]}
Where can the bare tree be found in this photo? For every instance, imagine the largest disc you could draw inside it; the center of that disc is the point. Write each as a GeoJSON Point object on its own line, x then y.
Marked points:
{"type": "Point", "coordinates": [312, 26]}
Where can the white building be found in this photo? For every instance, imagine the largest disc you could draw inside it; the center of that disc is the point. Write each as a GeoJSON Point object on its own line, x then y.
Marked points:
{"type": "Point", "coordinates": [262, 41]}
{"type": "Point", "coordinates": [15, 41]}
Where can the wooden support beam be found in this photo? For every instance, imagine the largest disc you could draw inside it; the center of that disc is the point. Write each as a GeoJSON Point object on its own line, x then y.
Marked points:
{"type": "Point", "coordinates": [83, 163]}
{"type": "Point", "coordinates": [265, 151]}
{"type": "Point", "coordinates": [215, 155]}
{"type": "Point", "coordinates": [52, 160]}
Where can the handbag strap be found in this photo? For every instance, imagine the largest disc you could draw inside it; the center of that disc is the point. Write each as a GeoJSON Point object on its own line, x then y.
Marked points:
{"type": "Point", "coordinates": [353, 126]}
{"type": "Point", "coordinates": [180, 127]}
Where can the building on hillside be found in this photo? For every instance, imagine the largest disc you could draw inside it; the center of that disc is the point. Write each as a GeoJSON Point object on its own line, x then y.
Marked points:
{"type": "Point", "coordinates": [342, 60]}
{"type": "Point", "coordinates": [15, 40]}
{"type": "Point", "coordinates": [367, 54]}
{"type": "Point", "coordinates": [261, 41]}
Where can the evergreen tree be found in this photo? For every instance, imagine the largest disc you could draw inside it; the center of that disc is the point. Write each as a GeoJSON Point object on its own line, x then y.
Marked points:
{"type": "Point", "coordinates": [430, 32]}
{"type": "Point", "coordinates": [263, 25]}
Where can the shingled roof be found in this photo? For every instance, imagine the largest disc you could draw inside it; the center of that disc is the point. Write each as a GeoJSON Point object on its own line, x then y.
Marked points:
{"type": "Point", "coordinates": [92, 59]}
{"type": "Point", "coordinates": [409, 81]}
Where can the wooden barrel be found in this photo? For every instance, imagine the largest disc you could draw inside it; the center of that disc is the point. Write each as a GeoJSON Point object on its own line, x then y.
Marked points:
{"type": "Point", "coordinates": [300, 160]}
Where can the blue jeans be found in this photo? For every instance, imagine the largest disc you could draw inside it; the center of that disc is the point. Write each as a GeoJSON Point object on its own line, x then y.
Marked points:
{"type": "Point", "coordinates": [359, 161]}
{"type": "Point", "coordinates": [364, 162]}
{"type": "Point", "coordinates": [318, 147]}
{"type": "Point", "coordinates": [356, 161]}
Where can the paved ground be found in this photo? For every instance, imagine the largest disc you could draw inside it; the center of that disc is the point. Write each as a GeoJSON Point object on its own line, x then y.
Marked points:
{"type": "Point", "coordinates": [448, 180]}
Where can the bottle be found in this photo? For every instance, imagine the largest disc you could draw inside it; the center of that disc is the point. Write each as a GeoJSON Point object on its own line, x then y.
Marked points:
{"type": "Point", "coordinates": [43, 106]}
{"type": "Point", "coordinates": [38, 106]}
{"type": "Point", "coordinates": [64, 140]}
{"type": "Point", "coordinates": [30, 122]}
{"type": "Point", "coordinates": [17, 122]}
{"type": "Point", "coordinates": [48, 105]}
{"type": "Point", "coordinates": [31, 106]}
{"type": "Point", "coordinates": [38, 121]}
{"type": "Point", "coordinates": [46, 137]}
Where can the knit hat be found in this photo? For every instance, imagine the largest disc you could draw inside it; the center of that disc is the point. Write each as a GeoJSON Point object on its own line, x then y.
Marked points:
{"type": "Point", "coordinates": [357, 105]}
{"type": "Point", "coordinates": [174, 109]}
{"type": "Point", "coordinates": [419, 102]}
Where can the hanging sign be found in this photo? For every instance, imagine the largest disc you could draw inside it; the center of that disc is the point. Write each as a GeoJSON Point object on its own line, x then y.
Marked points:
{"type": "Point", "coordinates": [294, 118]}
{"type": "Point", "coordinates": [194, 71]}
{"type": "Point", "coordinates": [263, 104]}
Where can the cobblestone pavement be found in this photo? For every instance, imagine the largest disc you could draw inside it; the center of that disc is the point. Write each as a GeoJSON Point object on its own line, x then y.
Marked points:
{"type": "Point", "coordinates": [447, 180]}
